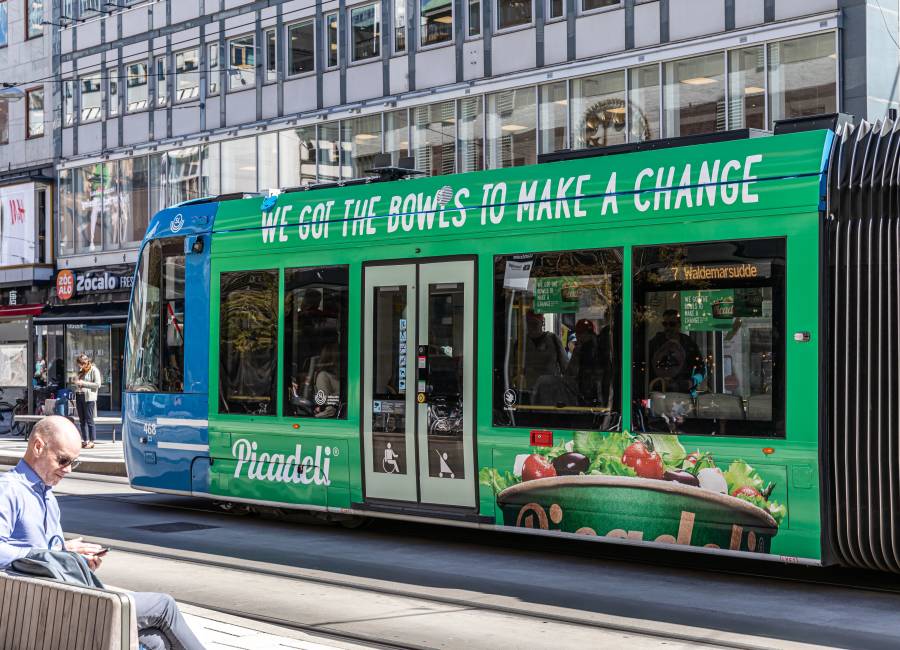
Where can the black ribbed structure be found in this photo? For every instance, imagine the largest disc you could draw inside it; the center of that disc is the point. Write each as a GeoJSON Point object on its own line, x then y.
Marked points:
{"type": "Point", "coordinates": [861, 355]}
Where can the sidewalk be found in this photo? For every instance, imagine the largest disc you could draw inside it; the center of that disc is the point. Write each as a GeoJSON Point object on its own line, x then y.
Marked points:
{"type": "Point", "coordinates": [106, 458]}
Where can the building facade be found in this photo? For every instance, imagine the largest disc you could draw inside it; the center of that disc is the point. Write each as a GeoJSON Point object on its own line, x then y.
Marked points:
{"type": "Point", "coordinates": [154, 103]}
{"type": "Point", "coordinates": [27, 181]}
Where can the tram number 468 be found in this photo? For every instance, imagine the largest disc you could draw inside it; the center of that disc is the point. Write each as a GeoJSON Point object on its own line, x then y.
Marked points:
{"type": "Point", "coordinates": [150, 428]}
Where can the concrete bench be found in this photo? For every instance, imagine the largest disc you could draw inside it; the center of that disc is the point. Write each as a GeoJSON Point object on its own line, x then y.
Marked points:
{"type": "Point", "coordinates": [50, 615]}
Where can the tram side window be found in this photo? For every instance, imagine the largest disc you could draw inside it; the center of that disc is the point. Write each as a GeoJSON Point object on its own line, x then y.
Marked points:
{"type": "Point", "coordinates": [156, 329]}
{"type": "Point", "coordinates": [315, 342]}
{"type": "Point", "coordinates": [558, 339]}
{"type": "Point", "coordinates": [709, 338]}
{"type": "Point", "coordinates": [248, 342]}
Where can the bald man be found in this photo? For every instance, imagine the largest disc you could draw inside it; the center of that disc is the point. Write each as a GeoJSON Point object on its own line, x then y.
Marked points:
{"type": "Point", "coordinates": [30, 519]}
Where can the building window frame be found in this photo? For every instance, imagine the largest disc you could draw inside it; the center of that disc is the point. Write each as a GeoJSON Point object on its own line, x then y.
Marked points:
{"type": "Point", "coordinates": [39, 133]}
{"type": "Point", "coordinates": [213, 55]}
{"type": "Point", "coordinates": [195, 71]}
{"type": "Point", "coordinates": [270, 52]}
{"type": "Point", "coordinates": [400, 28]}
{"type": "Point", "coordinates": [32, 6]}
{"type": "Point", "coordinates": [4, 23]}
{"type": "Point", "coordinates": [511, 28]}
{"type": "Point", "coordinates": [332, 17]}
{"type": "Point", "coordinates": [548, 18]}
{"type": "Point", "coordinates": [161, 81]}
{"type": "Point", "coordinates": [128, 86]}
{"type": "Point", "coordinates": [377, 38]}
{"type": "Point", "coordinates": [113, 87]}
{"type": "Point", "coordinates": [309, 23]}
{"type": "Point", "coordinates": [423, 46]}
{"type": "Point", "coordinates": [581, 11]}
{"type": "Point", "coordinates": [235, 74]}
{"type": "Point", "coordinates": [479, 28]}
{"type": "Point", "coordinates": [87, 118]}
{"type": "Point", "coordinates": [4, 121]}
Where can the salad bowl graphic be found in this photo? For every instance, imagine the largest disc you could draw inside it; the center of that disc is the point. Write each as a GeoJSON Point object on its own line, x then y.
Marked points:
{"type": "Point", "coordinates": [640, 488]}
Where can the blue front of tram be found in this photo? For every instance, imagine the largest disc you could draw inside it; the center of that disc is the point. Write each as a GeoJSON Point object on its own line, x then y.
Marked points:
{"type": "Point", "coordinates": [167, 354]}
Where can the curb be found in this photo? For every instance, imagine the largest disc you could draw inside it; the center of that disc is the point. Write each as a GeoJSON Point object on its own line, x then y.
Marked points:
{"type": "Point", "coordinates": [104, 467]}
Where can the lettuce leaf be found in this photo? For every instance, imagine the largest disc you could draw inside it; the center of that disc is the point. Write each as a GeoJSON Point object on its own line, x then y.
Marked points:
{"type": "Point", "coordinates": [594, 444]}
{"type": "Point", "coordinates": [777, 510]}
{"type": "Point", "coordinates": [498, 482]}
{"type": "Point", "coordinates": [740, 474]}
{"type": "Point", "coordinates": [610, 466]}
{"type": "Point", "coordinates": [670, 448]}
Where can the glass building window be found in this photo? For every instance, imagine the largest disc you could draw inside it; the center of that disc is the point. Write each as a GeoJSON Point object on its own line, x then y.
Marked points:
{"type": "Point", "coordinates": [91, 97]}
{"type": "Point", "coordinates": [709, 353]}
{"type": "Point", "coordinates": [112, 92]}
{"type": "Point", "coordinates": [213, 73]}
{"type": "Point", "coordinates": [361, 139]}
{"type": "Point", "coordinates": [747, 88]}
{"type": "Point", "coordinates": [435, 21]}
{"type": "Point", "coordinates": [66, 231]}
{"type": "Point", "coordinates": [239, 165]}
{"type": "Point", "coordinates": [35, 18]}
{"type": "Point", "coordinates": [4, 24]}
{"type": "Point", "coordinates": [161, 81]}
{"type": "Point", "coordinates": [434, 138]}
{"type": "Point", "coordinates": [471, 134]}
{"type": "Point", "coordinates": [68, 91]}
{"type": "Point", "coordinates": [558, 338]}
{"type": "Point", "coordinates": [399, 25]}
{"type": "Point", "coordinates": [512, 13]}
{"type": "Point", "coordinates": [331, 40]}
{"type": "Point", "coordinates": [803, 76]}
{"type": "Point", "coordinates": [473, 17]}
{"type": "Point", "coordinates": [34, 102]}
{"type": "Point", "coordinates": [159, 172]}
{"type": "Point", "coordinates": [297, 156]}
{"type": "Point", "coordinates": [136, 87]}
{"type": "Point", "coordinates": [187, 75]}
{"type": "Point", "coordinates": [89, 204]}
{"type": "Point", "coordinates": [210, 170]}
{"type": "Point", "coordinates": [155, 335]}
{"type": "Point", "coordinates": [554, 110]}
{"type": "Point", "coordinates": [643, 103]}
{"type": "Point", "coordinates": [183, 182]}
{"type": "Point", "coordinates": [694, 95]}
{"type": "Point", "coordinates": [555, 9]}
{"type": "Point", "coordinates": [271, 39]}
{"type": "Point", "coordinates": [396, 135]}
{"type": "Point", "coordinates": [134, 199]}
{"type": "Point", "coordinates": [598, 110]}
{"type": "Point", "coordinates": [267, 161]}
{"type": "Point", "coordinates": [248, 342]}
{"type": "Point", "coordinates": [4, 121]}
{"type": "Point", "coordinates": [365, 32]}
{"type": "Point", "coordinates": [111, 206]}
{"type": "Point", "coordinates": [511, 128]}
{"type": "Point", "coordinates": [241, 63]}
{"type": "Point", "coordinates": [301, 40]}
{"type": "Point", "coordinates": [329, 152]}
{"type": "Point", "coordinates": [590, 5]}
{"type": "Point", "coordinates": [315, 342]}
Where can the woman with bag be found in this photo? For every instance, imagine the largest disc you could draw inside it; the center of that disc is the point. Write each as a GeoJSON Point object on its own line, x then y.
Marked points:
{"type": "Point", "coordinates": [86, 388]}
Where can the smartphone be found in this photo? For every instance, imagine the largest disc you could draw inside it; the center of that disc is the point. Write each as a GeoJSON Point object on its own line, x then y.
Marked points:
{"type": "Point", "coordinates": [103, 551]}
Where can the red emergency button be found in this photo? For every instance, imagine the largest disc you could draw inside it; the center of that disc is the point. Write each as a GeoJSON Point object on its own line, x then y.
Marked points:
{"type": "Point", "coordinates": [541, 438]}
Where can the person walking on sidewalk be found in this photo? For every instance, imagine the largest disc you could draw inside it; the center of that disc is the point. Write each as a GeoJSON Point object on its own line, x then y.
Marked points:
{"type": "Point", "coordinates": [86, 388]}
{"type": "Point", "coordinates": [30, 520]}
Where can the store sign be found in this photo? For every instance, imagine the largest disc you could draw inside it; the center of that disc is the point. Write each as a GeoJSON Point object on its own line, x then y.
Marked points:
{"type": "Point", "coordinates": [17, 219]}
{"type": "Point", "coordinates": [69, 283]}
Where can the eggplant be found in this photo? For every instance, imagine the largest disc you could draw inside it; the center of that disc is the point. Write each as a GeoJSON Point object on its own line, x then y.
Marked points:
{"type": "Point", "coordinates": [680, 476]}
{"type": "Point", "coordinates": [571, 464]}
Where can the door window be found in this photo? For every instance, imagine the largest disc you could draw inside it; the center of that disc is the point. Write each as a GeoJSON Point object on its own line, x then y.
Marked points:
{"type": "Point", "coordinates": [390, 346]}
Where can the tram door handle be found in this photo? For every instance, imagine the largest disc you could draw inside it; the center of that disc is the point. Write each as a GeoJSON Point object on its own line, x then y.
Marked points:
{"type": "Point", "coordinates": [423, 388]}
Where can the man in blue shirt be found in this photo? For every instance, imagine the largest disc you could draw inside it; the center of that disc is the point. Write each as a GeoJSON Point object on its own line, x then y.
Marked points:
{"type": "Point", "coordinates": [30, 519]}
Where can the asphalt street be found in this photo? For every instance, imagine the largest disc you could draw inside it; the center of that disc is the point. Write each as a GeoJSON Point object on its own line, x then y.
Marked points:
{"type": "Point", "coordinates": [435, 586]}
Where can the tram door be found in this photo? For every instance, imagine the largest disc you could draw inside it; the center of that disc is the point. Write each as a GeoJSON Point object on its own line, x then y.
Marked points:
{"type": "Point", "coordinates": [418, 403]}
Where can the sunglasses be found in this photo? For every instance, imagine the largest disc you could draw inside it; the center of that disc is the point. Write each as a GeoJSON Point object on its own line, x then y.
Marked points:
{"type": "Point", "coordinates": [65, 461]}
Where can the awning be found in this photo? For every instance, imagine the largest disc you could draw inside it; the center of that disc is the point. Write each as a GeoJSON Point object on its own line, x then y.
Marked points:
{"type": "Point", "coordinates": [17, 311]}
{"type": "Point", "coordinates": [100, 313]}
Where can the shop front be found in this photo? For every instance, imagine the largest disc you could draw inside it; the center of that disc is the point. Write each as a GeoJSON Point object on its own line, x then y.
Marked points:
{"type": "Point", "coordinates": [86, 315]}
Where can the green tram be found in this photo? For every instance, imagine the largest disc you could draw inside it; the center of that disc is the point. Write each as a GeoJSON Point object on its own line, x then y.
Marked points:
{"type": "Point", "coordinates": [689, 343]}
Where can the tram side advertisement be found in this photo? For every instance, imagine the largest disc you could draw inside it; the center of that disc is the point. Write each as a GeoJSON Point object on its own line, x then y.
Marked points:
{"type": "Point", "coordinates": [644, 487]}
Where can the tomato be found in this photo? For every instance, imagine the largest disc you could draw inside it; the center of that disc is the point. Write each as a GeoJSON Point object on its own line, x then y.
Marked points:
{"type": "Point", "coordinates": [635, 452]}
{"type": "Point", "coordinates": [537, 466]}
{"type": "Point", "coordinates": [650, 466]}
{"type": "Point", "coordinates": [746, 491]}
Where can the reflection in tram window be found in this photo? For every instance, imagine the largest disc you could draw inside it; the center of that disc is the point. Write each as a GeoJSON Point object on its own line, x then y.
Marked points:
{"type": "Point", "coordinates": [315, 342]}
{"type": "Point", "coordinates": [248, 329]}
{"type": "Point", "coordinates": [709, 338]}
{"type": "Point", "coordinates": [558, 338]}
{"type": "Point", "coordinates": [389, 351]}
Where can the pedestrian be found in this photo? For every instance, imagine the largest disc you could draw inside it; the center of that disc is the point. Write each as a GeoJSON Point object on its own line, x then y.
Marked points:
{"type": "Point", "coordinates": [30, 520]}
{"type": "Point", "coordinates": [87, 385]}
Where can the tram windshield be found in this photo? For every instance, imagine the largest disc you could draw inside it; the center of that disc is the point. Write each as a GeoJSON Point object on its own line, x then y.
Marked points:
{"type": "Point", "coordinates": [558, 338]}
{"type": "Point", "coordinates": [709, 338]}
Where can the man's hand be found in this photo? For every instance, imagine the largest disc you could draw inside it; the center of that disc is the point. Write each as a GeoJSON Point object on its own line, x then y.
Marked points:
{"type": "Point", "coordinates": [86, 549]}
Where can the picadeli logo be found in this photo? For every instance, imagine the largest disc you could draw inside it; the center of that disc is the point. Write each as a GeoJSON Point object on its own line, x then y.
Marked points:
{"type": "Point", "coordinates": [177, 223]}
{"type": "Point", "coordinates": [296, 468]}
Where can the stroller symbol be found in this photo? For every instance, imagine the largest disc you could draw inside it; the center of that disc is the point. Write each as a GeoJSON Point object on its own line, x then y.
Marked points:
{"type": "Point", "coordinates": [445, 468]}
